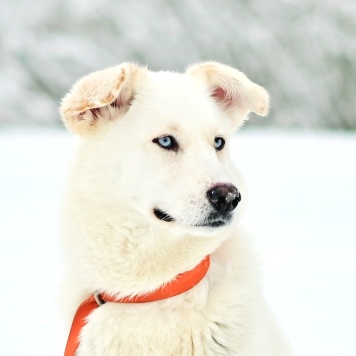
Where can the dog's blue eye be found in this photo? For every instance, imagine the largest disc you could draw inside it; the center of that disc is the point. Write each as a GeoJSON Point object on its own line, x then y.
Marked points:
{"type": "Point", "coordinates": [219, 143]}
{"type": "Point", "coordinates": [167, 142]}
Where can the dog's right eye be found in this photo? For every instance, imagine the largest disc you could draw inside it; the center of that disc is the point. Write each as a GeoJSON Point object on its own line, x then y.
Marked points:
{"type": "Point", "coordinates": [166, 142]}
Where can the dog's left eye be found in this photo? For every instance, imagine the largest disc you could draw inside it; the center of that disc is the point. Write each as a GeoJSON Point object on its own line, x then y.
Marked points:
{"type": "Point", "coordinates": [219, 143]}
{"type": "Point", "coordinates": [166, 142]}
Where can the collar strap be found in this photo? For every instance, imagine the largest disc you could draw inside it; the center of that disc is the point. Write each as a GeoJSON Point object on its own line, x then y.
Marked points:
{"type": "Point", "coordinates": [180, 284]}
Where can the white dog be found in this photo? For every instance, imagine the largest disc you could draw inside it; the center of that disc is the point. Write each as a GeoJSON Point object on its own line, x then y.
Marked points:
{"type": "Point", "coordinates": [151, 226]}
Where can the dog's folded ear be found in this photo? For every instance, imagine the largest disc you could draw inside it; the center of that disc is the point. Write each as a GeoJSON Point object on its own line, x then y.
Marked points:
{"type": "Point", "coordinates": [232, 90]}
{"type": "Point", "coordinates": [99, 96]}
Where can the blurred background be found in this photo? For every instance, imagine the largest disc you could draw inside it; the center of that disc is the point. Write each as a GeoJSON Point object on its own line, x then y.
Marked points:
{"type": "Point", "coordinates": [304, 51]}
{"type": "Point", "coordinates": [300, 162]}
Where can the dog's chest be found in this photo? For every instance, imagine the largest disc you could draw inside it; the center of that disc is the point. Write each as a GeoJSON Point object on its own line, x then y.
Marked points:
{"type": "Point", "coordinates": [206, 321]}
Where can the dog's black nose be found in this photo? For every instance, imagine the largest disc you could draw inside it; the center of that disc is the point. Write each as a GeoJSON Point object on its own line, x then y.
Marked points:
{"type": "Point", "coordinates": [224, 197]}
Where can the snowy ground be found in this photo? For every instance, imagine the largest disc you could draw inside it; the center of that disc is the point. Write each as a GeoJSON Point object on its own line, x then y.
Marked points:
{"type": "Point", "coordinates": [302, 211]}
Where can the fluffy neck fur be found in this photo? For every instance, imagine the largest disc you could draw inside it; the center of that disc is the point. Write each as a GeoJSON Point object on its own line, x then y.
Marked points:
{"type": "Point", "coordinates": [144, 256]}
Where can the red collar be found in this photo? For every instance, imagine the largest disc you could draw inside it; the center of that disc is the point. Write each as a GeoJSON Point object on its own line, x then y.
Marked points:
{"type": "Point", "coordinates": [180, 284]}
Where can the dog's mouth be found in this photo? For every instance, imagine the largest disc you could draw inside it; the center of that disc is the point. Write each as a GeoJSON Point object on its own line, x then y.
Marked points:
{"type": "Point", "coordinates": [162, 215]}
{"type": "Point", "coordinates": [215, 223]}
{"type": "Point", "coordinates": [214, 220]}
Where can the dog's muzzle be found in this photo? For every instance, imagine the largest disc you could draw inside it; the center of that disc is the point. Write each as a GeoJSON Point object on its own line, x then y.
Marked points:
{"type": "Point", "coordinates": [224, 198]}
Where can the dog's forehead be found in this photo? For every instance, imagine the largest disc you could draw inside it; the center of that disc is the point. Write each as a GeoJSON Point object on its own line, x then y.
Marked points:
{"type": "Point", "coordinates": [175, 88]}
{"type": "Point", "coordinates": [174, 100]}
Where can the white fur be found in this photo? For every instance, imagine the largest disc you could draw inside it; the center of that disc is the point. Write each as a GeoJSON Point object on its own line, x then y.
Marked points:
{"type": "Point", "coordinates": [114, 243]}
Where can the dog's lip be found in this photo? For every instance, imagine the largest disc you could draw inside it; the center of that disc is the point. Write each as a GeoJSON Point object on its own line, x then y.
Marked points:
{"type": "Point", "coordinates": [216, 220]}
{"type": "Point", "coordinates": [215, 223]}
{"type": "Point", "coordinates": [162, 215]}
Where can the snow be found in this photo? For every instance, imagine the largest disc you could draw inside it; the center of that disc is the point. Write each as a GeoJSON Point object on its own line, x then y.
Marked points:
{"type": "Point", "coordinates": [302, 51]}
{"type": "Point", "coordinates": [302, 212]}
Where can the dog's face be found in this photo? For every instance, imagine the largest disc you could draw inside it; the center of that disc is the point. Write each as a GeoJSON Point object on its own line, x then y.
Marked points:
{"type": "Point", "coordinates": [157, 144]}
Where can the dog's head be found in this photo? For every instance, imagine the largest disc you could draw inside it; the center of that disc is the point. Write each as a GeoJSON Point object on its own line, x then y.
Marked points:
{"type": "Point", "coordinates": [157, 144]}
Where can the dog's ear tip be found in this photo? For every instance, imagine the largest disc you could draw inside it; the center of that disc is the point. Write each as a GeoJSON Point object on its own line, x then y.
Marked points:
{"type": "Point", "coordinates": [262, 111]}
{"type": "Point", "coordinates": [260, 101]}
